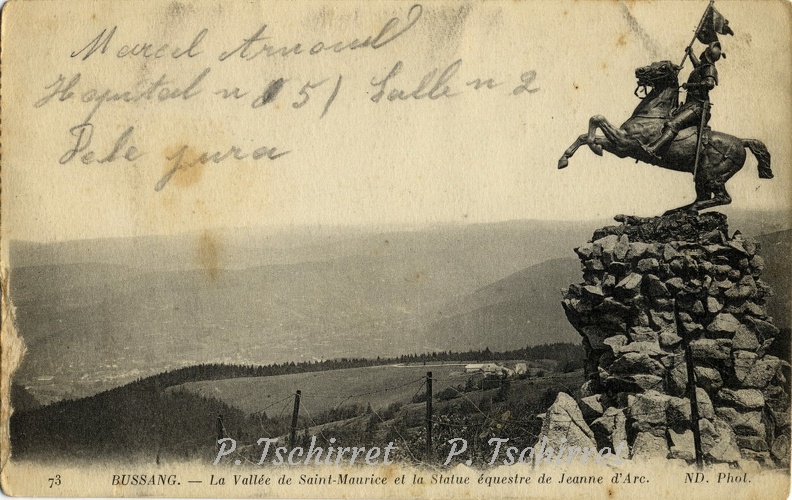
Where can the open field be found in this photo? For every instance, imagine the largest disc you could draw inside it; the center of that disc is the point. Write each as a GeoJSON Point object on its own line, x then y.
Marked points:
{"type": "Point", "coordinates": [321, 391]}
{"type": "Point", "coordinates": [377, 385]}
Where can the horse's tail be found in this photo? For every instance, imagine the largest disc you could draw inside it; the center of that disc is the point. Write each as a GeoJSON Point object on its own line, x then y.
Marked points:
{"type": "Point", "coordinates": [762, 155]}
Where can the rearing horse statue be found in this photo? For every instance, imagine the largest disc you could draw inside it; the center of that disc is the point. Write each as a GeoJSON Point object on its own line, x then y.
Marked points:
{"type": "Point", "coordinates": [722, 155]}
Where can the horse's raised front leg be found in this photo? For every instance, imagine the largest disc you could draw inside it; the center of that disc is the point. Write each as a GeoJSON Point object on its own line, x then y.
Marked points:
{"type": "Point", "coordinates": [616, 140]}
{"type": "Point", "coordinates": [563, 162]}
{"type": "Point", "coordinates": [595, 122]}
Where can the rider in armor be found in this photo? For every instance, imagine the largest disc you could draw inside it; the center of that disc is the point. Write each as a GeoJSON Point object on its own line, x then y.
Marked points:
{"type": "Point", "coordinates": [703, 78]}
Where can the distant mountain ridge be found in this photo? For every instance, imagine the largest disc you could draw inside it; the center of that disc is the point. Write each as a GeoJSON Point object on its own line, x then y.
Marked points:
{"type": "Point", "coordinates": [90, 326]}
{"type": "Point", "coordinates": [239, 248]}
{"type": "Point", "coordinates": [523, 307]}
{"type": "Point", "coordinates": [777, 253]}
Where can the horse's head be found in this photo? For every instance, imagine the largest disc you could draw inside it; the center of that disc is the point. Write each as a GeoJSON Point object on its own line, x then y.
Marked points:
{"type": "Point", "coordinates": [657, 87]}
{"type": "Point", "coordinates": [659, 74]}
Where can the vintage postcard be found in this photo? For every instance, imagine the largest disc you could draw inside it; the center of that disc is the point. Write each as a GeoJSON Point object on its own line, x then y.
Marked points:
{"type": "Point", "coordinates": [396, 249]}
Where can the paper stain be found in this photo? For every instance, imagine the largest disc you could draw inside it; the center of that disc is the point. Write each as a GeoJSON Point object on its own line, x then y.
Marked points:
{"type": "Point", "coordinates": [327, 16]}
{"type": "Point", "coordinates": [190, 173]}
{"type": "Point", "coordinates": [176, 10]}
{"type": "Point", "coordinates": [10, 358]}
{"type": "Point", "coordinates": [636, 28]}
{"type": "Point", "coordinates": [417, 277]}
{"type": "Point", "coordinates": [209, 249]}
{"type": "Point", "coordinates": [453, 20]}
{"type": "Point", "coordinates": [446, 25]}
{"type": "Point", "coordinates": [390, 472]}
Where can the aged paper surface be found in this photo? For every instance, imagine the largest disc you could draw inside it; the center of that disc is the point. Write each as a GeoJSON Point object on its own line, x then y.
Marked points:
{"type": "Point", "coordinates": [210, 206]}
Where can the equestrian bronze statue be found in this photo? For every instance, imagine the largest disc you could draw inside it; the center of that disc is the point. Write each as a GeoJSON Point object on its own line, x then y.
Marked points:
{"type": "Point", "coordinates": [663, 133]}
{"type": "Point", "coordinates": [722, 155]}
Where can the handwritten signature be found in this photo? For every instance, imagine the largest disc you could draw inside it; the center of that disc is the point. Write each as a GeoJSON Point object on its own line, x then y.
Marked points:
{"type": "Point", "coordinates": [184, 158]}
{"type": "Point", "coordinates": [257, 44]}
{"type": "Point", "coordinates": [181, 161]}
{"type": "Point", "coordinates": [251, 47]}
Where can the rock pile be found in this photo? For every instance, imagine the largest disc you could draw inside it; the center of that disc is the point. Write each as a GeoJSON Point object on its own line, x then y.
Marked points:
{"type": "Point", "coordinates": [652, 288]}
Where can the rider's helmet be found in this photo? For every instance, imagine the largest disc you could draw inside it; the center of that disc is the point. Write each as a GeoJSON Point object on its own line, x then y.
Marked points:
{"type": "Point", "coordinates": [712, 53]}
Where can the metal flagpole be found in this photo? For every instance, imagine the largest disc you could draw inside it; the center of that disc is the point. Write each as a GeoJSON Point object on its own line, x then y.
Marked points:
{"type": "Point", "coordinates": [695, 35]}
{"type": "Point", "coordinates": [704, 111]}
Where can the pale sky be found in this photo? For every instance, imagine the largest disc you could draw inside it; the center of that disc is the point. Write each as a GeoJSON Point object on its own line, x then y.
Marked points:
{"type": "Point", "coordinates": [482, 155]}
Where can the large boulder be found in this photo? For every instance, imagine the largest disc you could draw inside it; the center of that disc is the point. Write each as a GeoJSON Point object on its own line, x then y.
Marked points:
{"type": "Point", "coordinates": [622, 248]}
{"type": "Point", "coordinates": [711, 349]}
{"type": "Point", "coordinates": [648, 408]}
{"type": "Point", "coordinates": [643, 334]}
{"type": "Point", "coordinates": [742, 398]}
{"type": "Point", "coordinates": [564, 425]}
{"type": "Point", "coordinates": [718, 441]}
{"type": "Point", "coordinates": [654, 286]}
{"type": "Point", "coordinates": [723, 326]}
{"type": "Point", "coordinates": [714, 305]}
{"type": "Point", "coordinates": [763, 329]}
{"type": "Point", "coordinates": [753, 443]}
{"type": "Point", "coordinates": [744, 289]}
{"type": "Point", "coordinates": [743, 363]}
{"type": "Point", "coordinates": [591, 407]}
{"type": "Point", "coordinates": [763, 371]}
{"type": "Point", "coordinates": [639, 382]}
{"type": "Point", "coordinates": [682, 444]}
{"type": "Point", "coordinates": [777, 403]}
{"type": "Point", "coordinates": [704, 404]}
{"type": "Point", "coordinates": [615, 342]}
{"type": "Point", "coordinates": [678, 410]}
{"type": "Point", "coordinates": [780, 448]}
{"type": "Point", "coordinates": [752, 371]}
{"type": "Point", "coordinates": [708, 378]}
{"type": "Point", "coordinates": [606, 246]}
{"type": "Point", "coordinates": [648, 446]}
{"type": "Point", "coordinates": [637, 362]}
{"type": "Point", "coordinates": [629, 286]}
{"type": "Point", "coordinates": [649, 348]}
{"type": "Point", "coordinates": [677, 379]}
{"type": "Point", "coordinates": [669, 339]}
{"type": "Point", "coordinates": [597, 336]}
{"type": "Point", "coordinates": [610, 429]}
{"type": "Point", "coordinates": [745, 339]}
{"type": "Point", "coordinates": [744, 423]}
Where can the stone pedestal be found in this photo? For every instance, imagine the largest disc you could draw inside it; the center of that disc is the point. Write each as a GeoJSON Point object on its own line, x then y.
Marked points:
{"type": "Point", "coordinates": [651, 286]}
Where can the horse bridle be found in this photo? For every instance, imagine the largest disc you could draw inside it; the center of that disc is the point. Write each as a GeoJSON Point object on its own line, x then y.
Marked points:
{"type": "Point", "coordinates": [643, 87]}
{"type": "Point", "coordinates": [645, 92]}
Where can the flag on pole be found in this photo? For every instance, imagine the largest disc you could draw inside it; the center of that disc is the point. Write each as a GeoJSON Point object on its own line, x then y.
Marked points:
{"type": "Point", "coordinates": [712, 25]}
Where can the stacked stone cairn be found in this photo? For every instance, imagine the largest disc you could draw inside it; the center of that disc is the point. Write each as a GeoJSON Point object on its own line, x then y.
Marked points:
{"type": "Point", "coordinates": [651, 287]}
